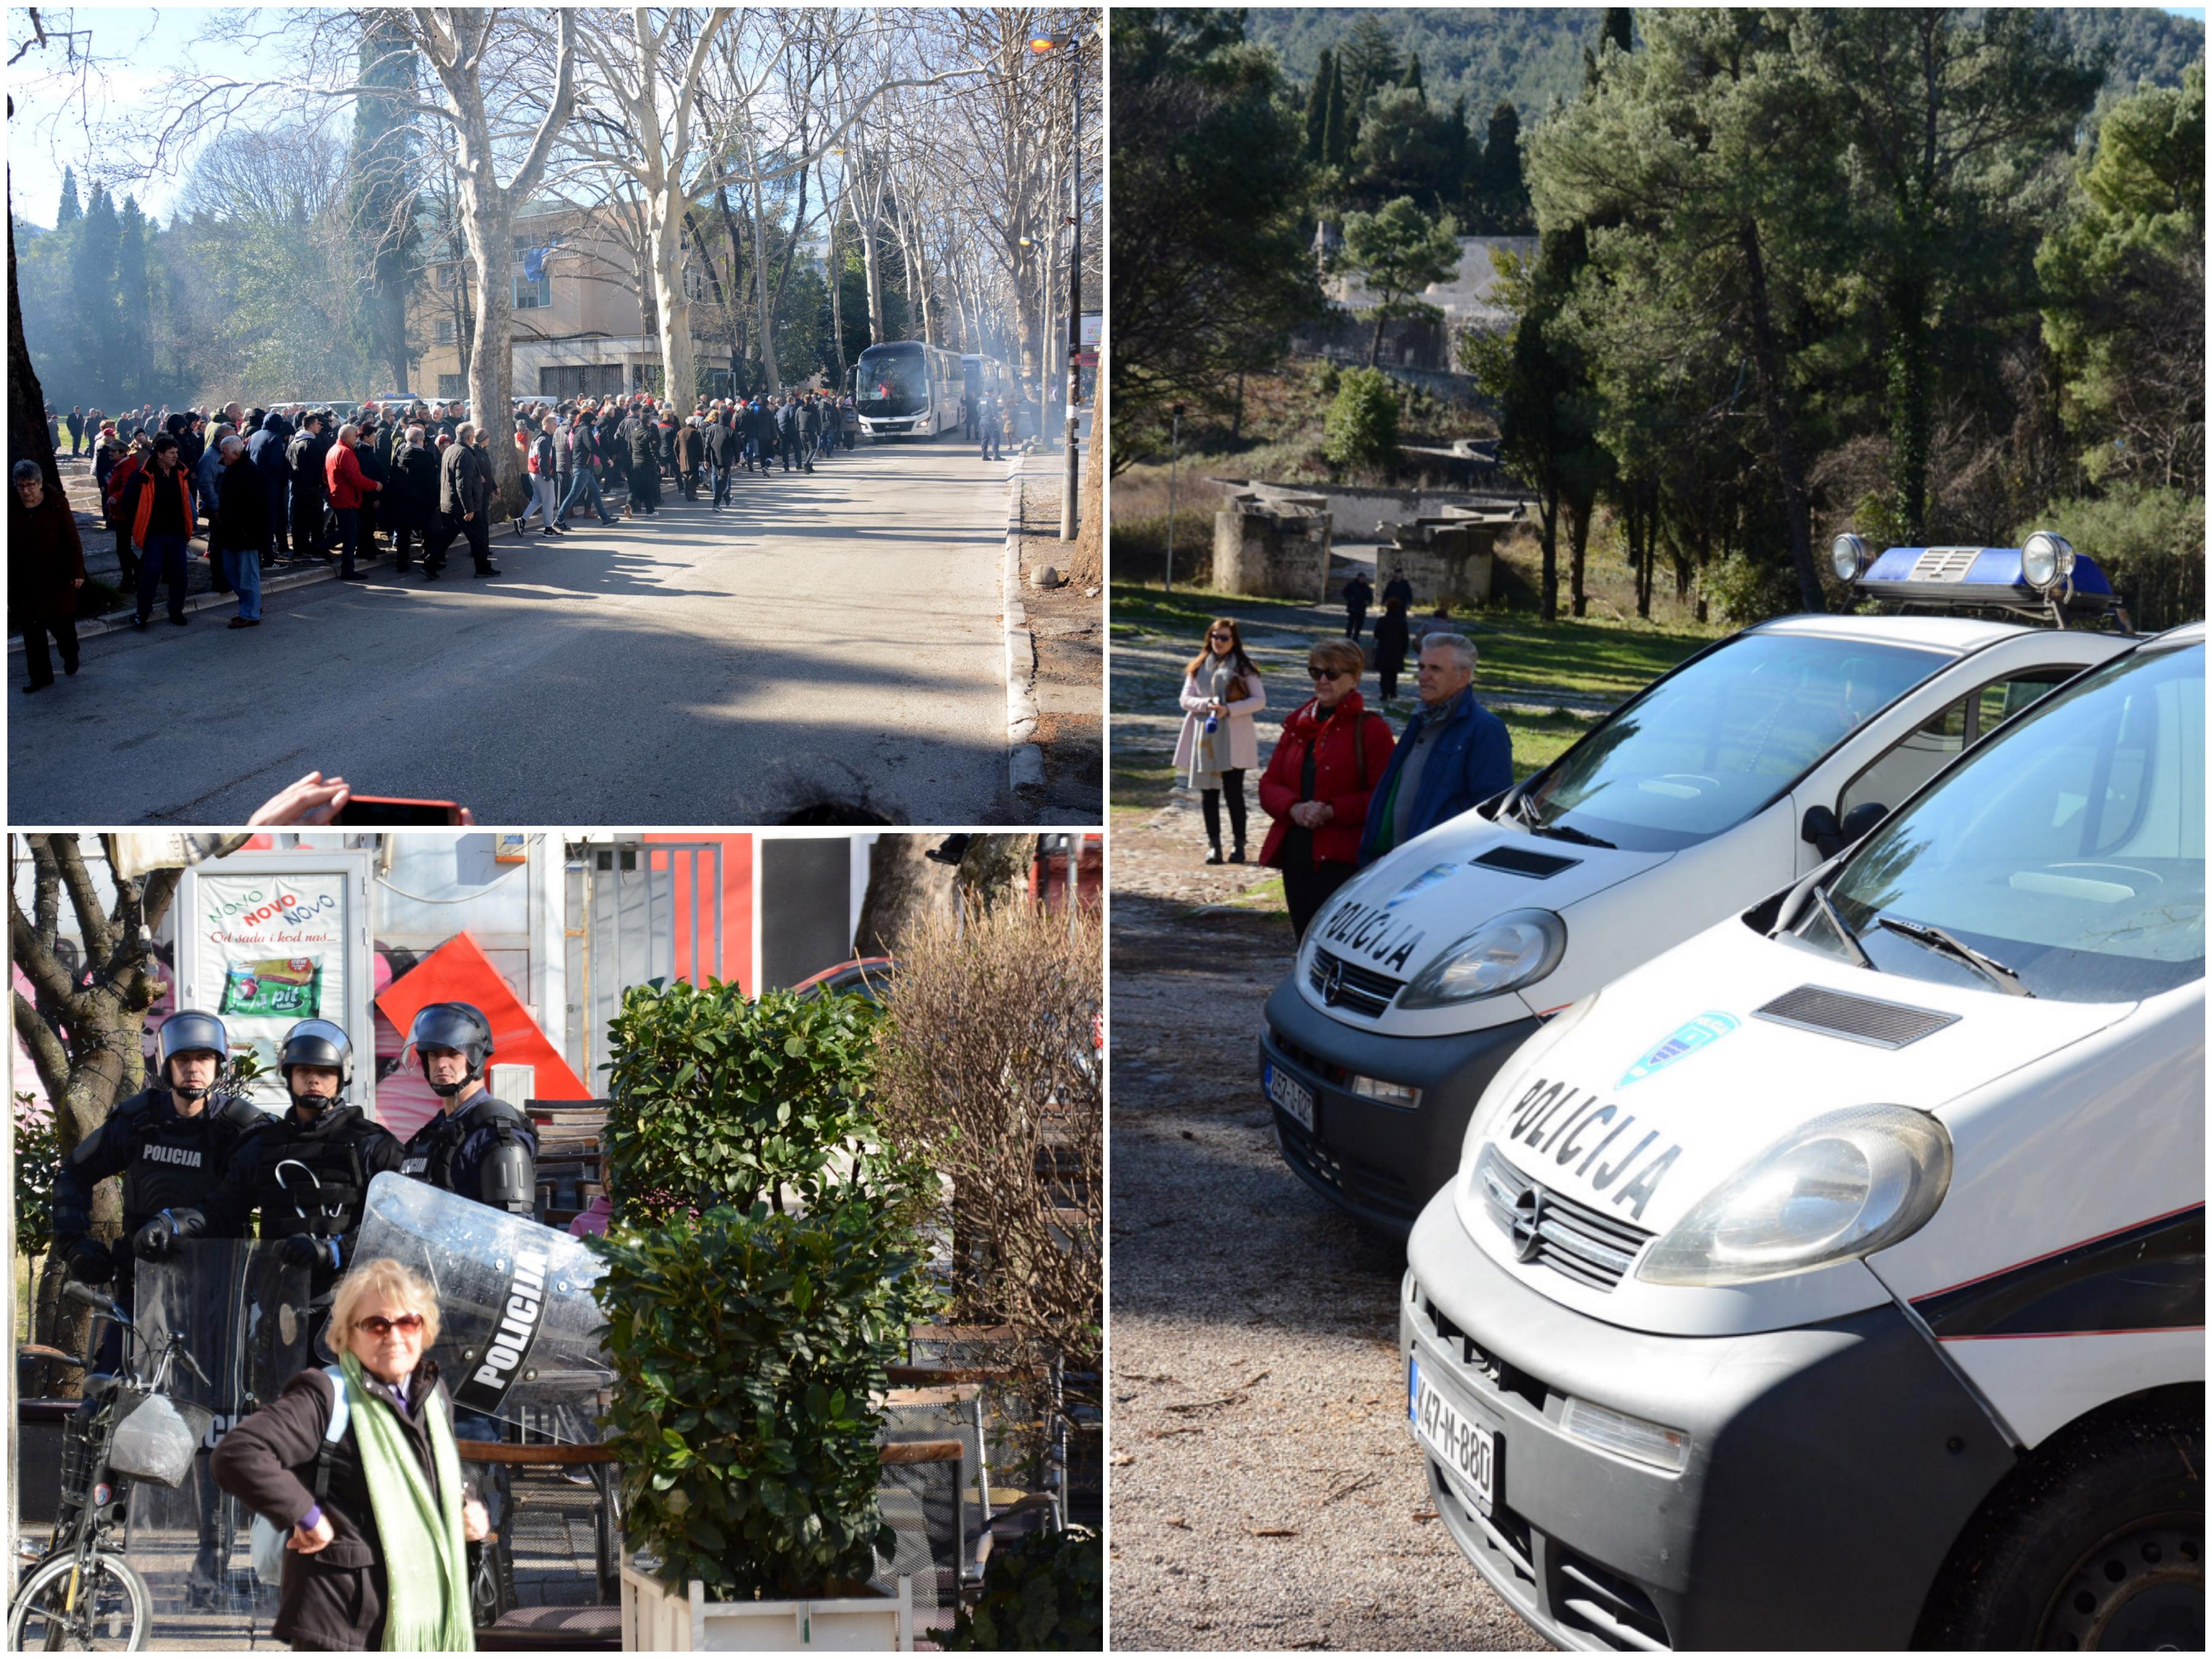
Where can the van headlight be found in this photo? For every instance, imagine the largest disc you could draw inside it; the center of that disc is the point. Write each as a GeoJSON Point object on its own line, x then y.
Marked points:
{"type": "Point", "coordinates": [1505, 953]}
{"type": "Point", "coordinates": [1845, 1185]}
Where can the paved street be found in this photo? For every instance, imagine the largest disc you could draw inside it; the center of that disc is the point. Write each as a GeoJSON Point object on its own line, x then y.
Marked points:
{"type": "Point", "coordinates": [833, 642]}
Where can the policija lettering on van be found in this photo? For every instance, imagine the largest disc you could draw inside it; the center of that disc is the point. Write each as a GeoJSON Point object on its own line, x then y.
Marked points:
{"type": "Point", "coordinates": [1555, 1118]}
{"type": "Point", "coordinates": [508, 1351]}
{"type": "Point", "coordinates": [1374, 932]}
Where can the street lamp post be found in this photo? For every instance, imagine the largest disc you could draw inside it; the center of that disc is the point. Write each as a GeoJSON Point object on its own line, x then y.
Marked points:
{"type": "Point", "coordinates": [1072, 42]}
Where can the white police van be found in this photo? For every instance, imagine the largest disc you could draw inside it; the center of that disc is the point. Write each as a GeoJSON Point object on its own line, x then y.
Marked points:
{"type": "Point", "coordinates": [1750, 763]}
{"type": "Point", "coordinates": [1837, 1278]}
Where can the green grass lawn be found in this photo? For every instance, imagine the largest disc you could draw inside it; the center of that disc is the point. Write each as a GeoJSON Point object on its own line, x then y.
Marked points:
{"type": "Point", "coordinates": [1139, 610]}
{"type": "Point", "coordinates": [1540, 740]}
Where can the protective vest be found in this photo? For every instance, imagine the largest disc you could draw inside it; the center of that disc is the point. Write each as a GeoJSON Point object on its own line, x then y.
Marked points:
{"type": "Point", "coordinates": [166, 1160]}
{"type": "Point", "coordinates": [313, 1178]}
{"type": "Point", "coordinates": [434, 1149]}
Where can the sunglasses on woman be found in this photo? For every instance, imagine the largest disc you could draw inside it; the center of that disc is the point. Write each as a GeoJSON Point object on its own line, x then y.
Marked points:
{"type": "Point", "coordinates": [1324, 673]}
{"type": "Point", "coordinates": [1221, 636]}
{"type": "Point", "coordinates": [378, 1325]}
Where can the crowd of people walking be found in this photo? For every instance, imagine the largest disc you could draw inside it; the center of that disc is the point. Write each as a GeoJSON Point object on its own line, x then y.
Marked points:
{"type": "Point", "coordinates": [293, 486]}
{"type": "Point", "coordinates": [1340, 788]}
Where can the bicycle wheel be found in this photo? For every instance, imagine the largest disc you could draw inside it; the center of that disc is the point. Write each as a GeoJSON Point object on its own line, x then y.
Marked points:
{"type": "Point", "coordinates": [104, 1610]}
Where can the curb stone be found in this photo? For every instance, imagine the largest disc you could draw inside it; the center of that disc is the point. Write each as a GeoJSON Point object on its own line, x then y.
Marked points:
{"type": "Point", "coordinates": [1025, 758]}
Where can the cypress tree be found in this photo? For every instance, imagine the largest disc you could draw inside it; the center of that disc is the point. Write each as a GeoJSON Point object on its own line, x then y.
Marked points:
{"type": "Point", "coordinates": [71, 210]}
{"type": "Point", "coordinates": [1413, 78]}
{"type": "Point", "coordinates": [133, 299]}
{"type": "Point", "coordinates": [1317, 100]}
{"type": "Point", "coordinates": [1336, 133]}
{"type": "Point", "coordinates": [92, 307]}
{"type": "Point", "coordinates": [1620, 27]}
{"type": "Point", "coordinates": [1451, 183]}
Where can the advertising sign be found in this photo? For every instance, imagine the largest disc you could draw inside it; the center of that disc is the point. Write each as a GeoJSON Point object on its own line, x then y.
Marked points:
{"type": "Point", "coordinates": [267, 945]}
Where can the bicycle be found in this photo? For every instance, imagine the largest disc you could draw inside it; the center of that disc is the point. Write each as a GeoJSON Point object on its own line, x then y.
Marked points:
{"type": "Point", "coordinates": [80, 1596]}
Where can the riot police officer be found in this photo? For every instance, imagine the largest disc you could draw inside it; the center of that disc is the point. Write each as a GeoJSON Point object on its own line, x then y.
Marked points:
{"type": "Point", "coordinates": [478, 1145]}
{"type": "Point", "coordinates": [172, 1143]}
{"type": "Point", "coordinates": [310, 1170]}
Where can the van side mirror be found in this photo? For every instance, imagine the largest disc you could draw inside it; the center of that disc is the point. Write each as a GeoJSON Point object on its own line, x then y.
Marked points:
{"type": "Point", "coordinates": [1821, 828]}
{"type": "Point", "coordinates": [1824, 832]}
{"type": "Point", "coordinates": [1862, 818]}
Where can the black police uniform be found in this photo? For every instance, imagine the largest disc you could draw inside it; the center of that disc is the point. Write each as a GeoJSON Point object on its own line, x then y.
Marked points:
{"type": "Point", "coordinates": [305, 1180]}
{"type": "Point", "coordinates": [485, 1150]}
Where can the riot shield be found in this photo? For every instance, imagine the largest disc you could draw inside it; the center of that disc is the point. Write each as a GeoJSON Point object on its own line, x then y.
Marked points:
{"type": "Point", "coordinates": [520, 1338]}
{"type": "Point", "coordinates": [243, 1318]}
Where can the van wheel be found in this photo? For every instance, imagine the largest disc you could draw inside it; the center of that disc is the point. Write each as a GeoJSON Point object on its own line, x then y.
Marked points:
{"type": "Point", "coordinates": [2097, 1542]}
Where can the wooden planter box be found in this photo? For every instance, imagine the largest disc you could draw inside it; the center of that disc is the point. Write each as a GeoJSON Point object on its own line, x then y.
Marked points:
{"type": "Point", "coordinates": [654, 1621]}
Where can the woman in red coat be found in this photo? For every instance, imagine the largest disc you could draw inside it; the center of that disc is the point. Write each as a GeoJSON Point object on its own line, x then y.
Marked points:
{"type": "Point", "coordinates": [1329, 758]}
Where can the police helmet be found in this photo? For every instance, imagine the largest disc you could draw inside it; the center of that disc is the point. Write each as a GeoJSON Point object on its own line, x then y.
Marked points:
{"type": "Point", "coordinates": [189, 1031]}
{"type": "Point", "coordinates": [317, 1043]}
{"type": "Point", "coordinates": [458, 1025]}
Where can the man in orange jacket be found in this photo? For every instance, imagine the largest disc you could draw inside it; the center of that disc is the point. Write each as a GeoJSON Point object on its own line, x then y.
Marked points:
{"type": "Point", "coordinates": [349, 487]}
{"type": "Point", "coordinates": [159, 505]}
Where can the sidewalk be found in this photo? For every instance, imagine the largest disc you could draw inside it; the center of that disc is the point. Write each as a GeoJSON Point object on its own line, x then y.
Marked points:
{"type": "Point", "coordinates": [1056, 646]}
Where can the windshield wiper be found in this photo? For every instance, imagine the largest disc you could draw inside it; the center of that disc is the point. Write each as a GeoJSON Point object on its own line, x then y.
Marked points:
{"type": "Point", "coordinates": [1937, 941]}
{"type": "Point", "coordinates": [1843, 928]}
{"type": "Point", "coordinates": [1568, 832]}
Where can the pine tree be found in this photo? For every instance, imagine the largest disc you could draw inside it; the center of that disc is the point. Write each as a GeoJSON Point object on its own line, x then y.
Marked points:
{"type": "Point", "coordinates": [1317, 101]}
{"type": "Point", "coordinates": [383, 199]}
{"type": "Point", "coordinates": [1413, 78]}
{"type": "Point", "coordinates": [1620, 27]}
{"type": "Point", "coordinates": [1451, 180]}
{"type": "Point", "coordinates": [70, 210]}
{"type": "Point", "coordinates": [1368, 59]}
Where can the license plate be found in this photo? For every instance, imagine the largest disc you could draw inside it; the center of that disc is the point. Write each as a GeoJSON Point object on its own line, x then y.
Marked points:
{"type": "Point", "coordinates": [1292, 1096]}
{"type": "Point", "coordinates": [1464, 1447]}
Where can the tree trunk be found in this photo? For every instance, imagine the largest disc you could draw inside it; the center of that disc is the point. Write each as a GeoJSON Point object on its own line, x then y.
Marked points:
{"type": "Point", "coordinates": [1375, 346]}
{"type": "Point", "coordinates": [27, 437]}
{"type": "Point", "coordinates": [1796, 500]}
{"type": "Point", "coordinates": [904, 887]}
{"type": "Point", "coordinates": [489, 224]}
{"type": "Point", "coordinates": [995, 868]}
{"type": "Point", "coordinates": [680, 367]}
{"type": "Point", "coordinates": [1548, 517]}
{"type": "Point", "coordinates": [737, 283]}
{"type": "Point", "coordinates": [769, 366]}
{"type": "Point", "coordinates": [868, 260]}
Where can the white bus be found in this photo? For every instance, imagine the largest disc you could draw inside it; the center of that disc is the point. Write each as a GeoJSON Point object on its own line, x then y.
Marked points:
{"type": "Point", "coordinates": [904, 387]}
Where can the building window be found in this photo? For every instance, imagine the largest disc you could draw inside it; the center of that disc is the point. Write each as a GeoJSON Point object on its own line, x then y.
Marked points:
{"type": "Point", "coordinates": [449, 385]}
{"type": "Point", "coordinates": [533, 296]}
{"type": "Point", "coordinates": [441, 331]}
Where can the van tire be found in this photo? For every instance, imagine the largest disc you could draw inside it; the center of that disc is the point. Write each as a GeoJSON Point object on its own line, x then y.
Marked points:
{"type": "Point", "coordinates": [2097, 1538]}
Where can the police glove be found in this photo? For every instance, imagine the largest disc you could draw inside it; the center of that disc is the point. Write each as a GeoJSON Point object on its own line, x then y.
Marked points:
{"type": "Point", "coordinates": [299, 1250]}
{"type": "Point", "coordinates": [156, 1238]}
{"type": "Point", "coordinates": [91, 1261]}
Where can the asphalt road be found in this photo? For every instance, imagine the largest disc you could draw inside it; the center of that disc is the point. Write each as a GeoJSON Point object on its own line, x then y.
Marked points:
{"type": "Point", "coordinates": [829, 639]}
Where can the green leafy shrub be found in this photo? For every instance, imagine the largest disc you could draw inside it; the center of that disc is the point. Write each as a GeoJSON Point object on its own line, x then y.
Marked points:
{"type": "Point", "coordinates": [747, 1348]}
{"type": "Point", "coordinates": [723, 1100]}
{"type": "Point", "coordinates": [1362, 430]}
{"type": "Point", "coordinates": [1745, 590]}
{"type": "Point", "coordinates": [38, 1162]}
{"type": "Point", "coordinates": [1043, 1593]}
{"type": "Point", "coordinates": [2149, 542]}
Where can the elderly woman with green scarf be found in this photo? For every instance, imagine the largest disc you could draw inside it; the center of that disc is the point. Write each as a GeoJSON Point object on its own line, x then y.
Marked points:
{"type": "Point", "coordinates": [379, 1518]}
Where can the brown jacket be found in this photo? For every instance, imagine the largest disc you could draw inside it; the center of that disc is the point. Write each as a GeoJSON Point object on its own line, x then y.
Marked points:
{"type": "Point", "coordinates": [333, 1599]}
{"type": "Point", "coordinates": [46, 555]}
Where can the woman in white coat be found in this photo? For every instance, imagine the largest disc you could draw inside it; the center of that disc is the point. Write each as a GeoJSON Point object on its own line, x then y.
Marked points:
{"type": "Point", "coordinates": [1221, 693]}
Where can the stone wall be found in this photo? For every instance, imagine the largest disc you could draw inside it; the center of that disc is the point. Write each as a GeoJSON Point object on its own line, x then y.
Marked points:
{"type": "Point", "coordinates": [1271, 549]}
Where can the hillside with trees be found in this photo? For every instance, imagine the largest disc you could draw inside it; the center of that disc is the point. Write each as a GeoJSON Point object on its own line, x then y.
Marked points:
{"type": "Point", "coordinates": [1933, 275]}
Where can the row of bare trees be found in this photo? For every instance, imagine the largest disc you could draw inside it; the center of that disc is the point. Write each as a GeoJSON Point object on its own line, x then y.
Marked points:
{"type": "Point", "coordinates": [932, 145]}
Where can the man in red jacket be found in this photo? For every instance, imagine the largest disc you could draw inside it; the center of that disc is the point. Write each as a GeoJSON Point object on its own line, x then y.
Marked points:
{"type": "Point", "coordinates": [159, 502]}
{"type": "Point", "coordinates": [349, 487]}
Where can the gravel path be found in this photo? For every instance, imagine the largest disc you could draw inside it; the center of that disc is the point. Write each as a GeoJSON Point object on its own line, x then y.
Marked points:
{"type": "Point", "coordinates": [1266, 1493]}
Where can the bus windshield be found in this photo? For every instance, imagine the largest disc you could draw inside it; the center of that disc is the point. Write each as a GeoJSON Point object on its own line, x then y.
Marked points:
{"type": "Point", "coordinates": [893, 382]}
{"type": "Point", "coordinates": [1707, 747]}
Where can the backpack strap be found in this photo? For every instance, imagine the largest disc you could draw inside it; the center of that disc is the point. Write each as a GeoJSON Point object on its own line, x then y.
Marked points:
{"type": "Point", "coordinates": [341, 1416]}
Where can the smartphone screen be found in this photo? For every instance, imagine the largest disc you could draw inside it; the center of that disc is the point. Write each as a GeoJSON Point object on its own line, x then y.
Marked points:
{"type": "Point", "coordinates": [370, 811]}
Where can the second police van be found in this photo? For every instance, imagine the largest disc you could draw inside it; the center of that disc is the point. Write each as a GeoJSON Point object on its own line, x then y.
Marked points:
{"type": "Point", "coordinates": [1756, 760]}
{"type": "Point", "coordinates": [1837, 1278]}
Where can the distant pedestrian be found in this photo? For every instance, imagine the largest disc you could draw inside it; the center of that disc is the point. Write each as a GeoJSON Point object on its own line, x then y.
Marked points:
{"type": "Point", "coordinates": [691, 454]}
{"type": "Point", "coordinates": [239, 532]}
{"type": "Point", "coordinates": [848, 416]}
{"type": "Point", "coordinates": [1390, 641]}
{"type": "Point", "coordinates": [464, 505]}
{"type": "Point", "coordinates": [267, 449]}
{"type": "Point", "coordinates": [808, 422]}
{"type": "Point", "coordinates": [415, 498]}
{"type": "Point", "coordinates": [45, 568]}
{"type": "Point", "coordinates": [306, 455]}
{"type": "Point", "coordinates": [1325, 766]}
{"type": "Point", "coordinates": [993, 417]}
{"type": "Point", "coordinates": [160, 507]}
{"type": "Point", "coordinates": [1218, 743]}
{"type": "Point", "coordinates": [1398, 588]}
{"type": "Point", "coordinates": [114, 463]}
{"type": "Point", "coordinates": [1358, 594]}
{"type": "Point", "coordinates": [642, 441]}
{"type": "Point", "coordinates": [350, 491]}
{"type": "Point", "coordinates": [76, 428]}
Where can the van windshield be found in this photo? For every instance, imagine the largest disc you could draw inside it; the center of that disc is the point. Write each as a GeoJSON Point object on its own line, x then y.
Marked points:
{"type": "Point", "coordinates": [1703, 750]}
{"type": "Point", "coordinates": [2069, 848]}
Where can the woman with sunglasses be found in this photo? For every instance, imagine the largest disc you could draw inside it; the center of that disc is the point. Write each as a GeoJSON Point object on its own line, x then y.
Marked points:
{"type": "Point", "coordinates": [1221, 692]}
{"type": "Point", "coordinates": [1329, 759]}
{"type": "Point", "coordinates": [378, 1520]}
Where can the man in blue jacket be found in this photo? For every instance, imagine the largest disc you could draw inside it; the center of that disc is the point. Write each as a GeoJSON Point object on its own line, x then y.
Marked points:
{"type": "Point", "coordinates": [1454, 752]}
